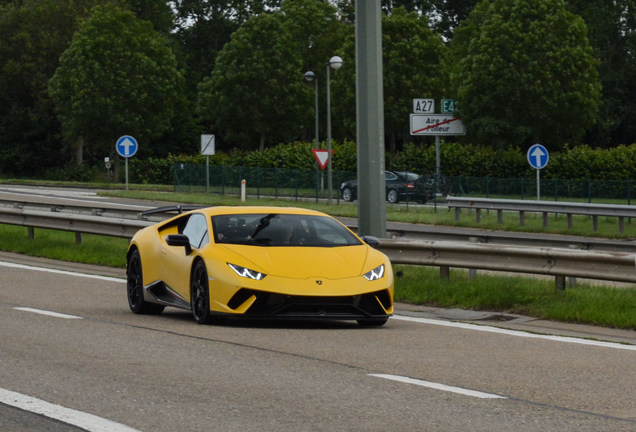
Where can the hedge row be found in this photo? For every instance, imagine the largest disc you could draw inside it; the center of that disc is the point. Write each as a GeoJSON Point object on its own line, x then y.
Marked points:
{"type": "Point", "coordinates": [581, 162]}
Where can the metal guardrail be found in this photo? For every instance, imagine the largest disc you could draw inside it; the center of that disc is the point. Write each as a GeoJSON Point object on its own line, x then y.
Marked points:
{"type": "Point", "coordinates": [556, 262]}
{"type": "Point", "coordinates": [545, 207]}
{"type": "Point", "coordinates": [560, 263]}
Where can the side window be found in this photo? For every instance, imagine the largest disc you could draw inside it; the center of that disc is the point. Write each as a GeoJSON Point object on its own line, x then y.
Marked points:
{"type": "Point", "coordinates": [197, 230]}
{"type": "Point", "coordinates": [389, 176]}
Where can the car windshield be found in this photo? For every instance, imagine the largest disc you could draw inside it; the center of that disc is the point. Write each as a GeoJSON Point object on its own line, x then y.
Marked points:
{"type": "Point", "coordinates": [281, 230]}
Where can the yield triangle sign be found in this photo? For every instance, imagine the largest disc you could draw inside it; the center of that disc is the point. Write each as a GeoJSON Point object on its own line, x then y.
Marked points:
{"type": "Point", "coordinates": [322, 156]}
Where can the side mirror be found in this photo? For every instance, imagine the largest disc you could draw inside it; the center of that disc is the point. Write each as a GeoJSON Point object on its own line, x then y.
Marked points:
{"type": "Point", "coordinates": [179, 240]}
{"type": "Point", "coordinates": [371, 241]}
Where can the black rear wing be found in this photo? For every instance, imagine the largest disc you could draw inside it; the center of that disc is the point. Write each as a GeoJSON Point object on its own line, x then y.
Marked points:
{"type": "Point", "coordinates": [178, 208]}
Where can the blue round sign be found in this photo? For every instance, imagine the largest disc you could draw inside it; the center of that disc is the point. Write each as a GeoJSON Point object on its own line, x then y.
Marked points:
{"type": "Point", "coordinates": [126, 146]}
{"type": "Point", "coordinates": [538, 156]}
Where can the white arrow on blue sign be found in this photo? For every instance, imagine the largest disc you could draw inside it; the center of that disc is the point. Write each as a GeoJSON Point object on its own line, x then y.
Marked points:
{"type": "Point", "coordinates": [538, 156]}
{"type": "Point", "coordinates": [126, 146]}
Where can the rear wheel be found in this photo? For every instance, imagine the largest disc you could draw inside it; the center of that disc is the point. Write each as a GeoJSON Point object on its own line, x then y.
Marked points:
{"type": "Point", "coordinates": [374, 322]}
{"type": "Point", "coordinates": [347, 194]}
{"type": "Point", "coordinates": [200, 294]}
{"type": "Point", "coordinates": [135, 288]}
{"type": "Point", "coordinates": [392, 196]}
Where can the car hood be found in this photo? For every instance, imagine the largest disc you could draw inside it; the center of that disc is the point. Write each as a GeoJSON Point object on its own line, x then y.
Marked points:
{"type": "Point", "coordinates": [305, 262]}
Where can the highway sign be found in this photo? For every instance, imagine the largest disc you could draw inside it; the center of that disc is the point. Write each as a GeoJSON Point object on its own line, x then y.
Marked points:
{"type": "Point", "coordinates": [436, 124]}
{"type": "Point", "coordinates": [538, 156]}
{"type": "Point", "coordinates": [207, 145]}
{"type": "Point", "coordinates": [322, 156]}
{"type": "Point", "coordinates": [126, 146]}
{"type": "Point", "coordinates": [423, 106]}
{"type": "Point", "coordinates": [448, 106]}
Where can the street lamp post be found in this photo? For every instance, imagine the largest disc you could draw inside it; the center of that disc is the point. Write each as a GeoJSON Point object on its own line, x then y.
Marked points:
{"type": "Point", "coordinates": [310, 76]}
{"type": "Point", "coordinates": [335, 62]}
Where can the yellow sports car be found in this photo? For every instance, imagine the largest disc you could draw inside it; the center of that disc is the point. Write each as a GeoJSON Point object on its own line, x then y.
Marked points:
{"type": "Point", "coordinates": [259, 262]}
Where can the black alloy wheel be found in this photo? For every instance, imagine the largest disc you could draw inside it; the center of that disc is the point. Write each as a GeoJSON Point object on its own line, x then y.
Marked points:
{"type": "Point", "coordinates": [200, 294]}
{"type": "Point", "coordinates": [135, 288]}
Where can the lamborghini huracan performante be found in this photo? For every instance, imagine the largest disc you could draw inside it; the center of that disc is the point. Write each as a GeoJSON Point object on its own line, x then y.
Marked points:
{"type": "Point", "coordinates": [259, 262]}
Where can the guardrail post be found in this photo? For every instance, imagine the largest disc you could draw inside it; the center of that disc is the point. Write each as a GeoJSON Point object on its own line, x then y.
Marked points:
{"type": "Point", "coordinates": [569, 220]}
{"type": "Point", "coordinates": [560, 283]}
{"type": "Point", "coordinates": [444, 272]}
{"type": "Point", "coordinates": [545, 219]}
{"type": "Point", "coordinates": [478, 215]}
{"type": "Point", "coordinates": [594, 223]}
{"type": "Point", "coordinates": [458, 211]}
{"type": "Point", "coordinates": [500, 216]}
{"type": "Point", "coordinates": [621, 224]}
{"type": "Point", "coordinates": [78, 238]}
{"type": "Point", "coordinates": [31, 232]}
{"type": "Point", "coordinates": [522, 218]}
{"type": "Point", "coordinates": [472, 273]}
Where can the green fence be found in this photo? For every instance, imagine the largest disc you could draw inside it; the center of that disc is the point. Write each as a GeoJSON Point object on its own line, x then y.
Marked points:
{"type": "Point", "coordinates": [588, 190]}
{"type": "Point", "coordinates": [259, 182]}
{"type": "Point", "coordinates": [297, 183]}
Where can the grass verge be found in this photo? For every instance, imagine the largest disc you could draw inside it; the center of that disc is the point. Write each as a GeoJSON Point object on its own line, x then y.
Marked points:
{"type": "Point", "coordinates": [585, 304]}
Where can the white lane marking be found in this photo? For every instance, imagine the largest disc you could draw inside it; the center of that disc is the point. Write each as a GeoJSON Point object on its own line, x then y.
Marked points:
{"type": "Point", "coordinates": [438, 386]}
{"type": "Point", "coordinates": [517, 333]}
{"type": "Point", "coordinates": [44, 269]}
{"type": "Point", "coordinates": [45, 312]}
{"type": "Point", "coordinates": [79, 419]}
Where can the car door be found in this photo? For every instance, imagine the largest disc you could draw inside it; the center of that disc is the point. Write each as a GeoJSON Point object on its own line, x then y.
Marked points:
{"type": "Point", "coordinates": [176, 262]}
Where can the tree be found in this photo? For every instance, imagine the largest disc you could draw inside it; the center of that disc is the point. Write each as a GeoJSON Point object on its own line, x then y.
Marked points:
{"type": "Point", "coordinates": [256, 91]}
{"type": "Point", "coordinates": [527, 74]}
{"type": "Point", "coordinates": [118, 77]}
{"type": "Point", "coordinates": [413, 67]}
{"type": "Point", "coordinates": [34, 34]}
{"type": "Point", "coordinates": [612, 34]}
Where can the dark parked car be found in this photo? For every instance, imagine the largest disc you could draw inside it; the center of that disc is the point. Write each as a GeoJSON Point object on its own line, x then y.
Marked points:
{"type": "Point", "coordinates": [400, 185]}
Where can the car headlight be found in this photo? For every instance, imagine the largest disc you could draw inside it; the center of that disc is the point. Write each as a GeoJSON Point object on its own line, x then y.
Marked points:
{"type": "Point", "coordinates": [374, 274]}
{"type": "Point", "coordinates": [247, 273]}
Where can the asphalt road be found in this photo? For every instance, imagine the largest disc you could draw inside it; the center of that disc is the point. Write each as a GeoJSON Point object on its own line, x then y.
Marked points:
{"type": "Point", "coordinates": [166, 373]}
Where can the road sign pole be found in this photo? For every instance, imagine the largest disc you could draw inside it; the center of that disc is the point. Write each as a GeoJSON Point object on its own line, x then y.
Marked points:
{"type": "Point", "coordinates": [538, 186]}
{"type": "Point", "coordinates": [207, 174]}
{"type": "Point", "coordinates": [438, 166]}
{"type": "Point", "coordinates": [126, 173]}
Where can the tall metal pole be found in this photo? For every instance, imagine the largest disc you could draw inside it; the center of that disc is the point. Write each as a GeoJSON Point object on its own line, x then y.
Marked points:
{"type": "Point", "coordinates": [370, 119]}
{"type": "Point", "coordinates": [317, 140]}
{"type": "Point", "coordinates": [329, 178]}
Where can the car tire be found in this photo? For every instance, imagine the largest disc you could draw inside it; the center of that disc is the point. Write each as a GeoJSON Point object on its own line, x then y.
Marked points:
{"type": "Point", "coordinates": [374, 322]}
{"type": "Point", "coordinates": [135, 288]}
{"type": "Point", "coordinates": [347, 194]}
{"type": "Point", "coordinates": [392, 196]}
{"type": "Point", "coordinates": [200, 294]}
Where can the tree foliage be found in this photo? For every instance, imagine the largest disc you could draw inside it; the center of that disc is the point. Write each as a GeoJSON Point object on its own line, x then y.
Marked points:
{"type": "Point", "coordinates": [413, 58]}
{"type": "Point", "coordinates": [526, 74]}
{"type": "Point", "coordinates": [256, 91]}
{"type": "Point", "coordinates": [117, 77]}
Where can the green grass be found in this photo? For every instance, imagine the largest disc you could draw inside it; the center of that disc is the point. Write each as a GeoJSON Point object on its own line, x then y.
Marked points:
{"type": "Point", "coordinates": [108, 251]}
{"type": "Point", "coordinates": [597, 305]}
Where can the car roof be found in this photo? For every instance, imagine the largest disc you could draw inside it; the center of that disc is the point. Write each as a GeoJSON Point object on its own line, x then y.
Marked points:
{"type": "Point", "coordinates": [227, 210]}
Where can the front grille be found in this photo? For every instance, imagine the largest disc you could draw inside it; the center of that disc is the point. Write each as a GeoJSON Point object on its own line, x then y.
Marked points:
{"type": "Point", "coordinates": [342, 307]}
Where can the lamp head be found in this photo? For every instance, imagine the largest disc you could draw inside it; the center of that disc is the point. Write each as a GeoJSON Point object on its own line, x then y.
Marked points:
{"type": "Point", "coordinates": [335, 62]}
{"type": "Point", "coordinates": [310, 76]}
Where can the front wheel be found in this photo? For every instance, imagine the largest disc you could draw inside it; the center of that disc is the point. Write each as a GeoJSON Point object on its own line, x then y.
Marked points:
{"type": "Point", "coordinates": [200, 294]}
{"type": "Point", "coordinates": [392, 196]}
{"type": "Point", "coordinates": [135, 288]}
